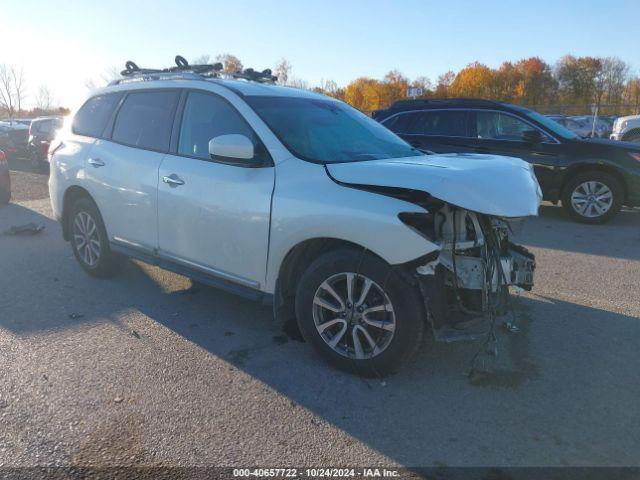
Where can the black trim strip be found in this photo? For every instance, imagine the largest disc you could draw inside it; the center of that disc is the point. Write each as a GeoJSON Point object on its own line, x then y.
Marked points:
{"type": "Point", "coordinates": [197, 275]}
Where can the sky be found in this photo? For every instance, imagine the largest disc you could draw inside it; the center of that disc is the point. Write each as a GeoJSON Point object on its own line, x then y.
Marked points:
{"type": "Point", "coordinates": [64, 43]}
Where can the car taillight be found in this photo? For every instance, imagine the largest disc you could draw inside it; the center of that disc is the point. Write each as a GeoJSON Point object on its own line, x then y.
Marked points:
{"type": "Point", "coordinates": [53, 148]}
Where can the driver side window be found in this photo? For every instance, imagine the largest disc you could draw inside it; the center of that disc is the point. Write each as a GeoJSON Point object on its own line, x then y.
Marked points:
{"type": "Point", "coordinates": [207, 116]}
{"type": "Point", "coordinates": [499, 126]}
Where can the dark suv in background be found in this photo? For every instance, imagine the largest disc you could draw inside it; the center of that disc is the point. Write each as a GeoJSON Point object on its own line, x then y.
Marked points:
{"type": "Point", "coordinates": [41, 132]}
{"type": "Point", "coordinates": [592, 178]}
{"type": "Point", "coordinates": [14, 138]}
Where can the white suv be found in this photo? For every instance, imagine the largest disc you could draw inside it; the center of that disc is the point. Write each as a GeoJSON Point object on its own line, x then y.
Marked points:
{"type": "Point", "coordinates": [295, 199]}
{"type": "Point", "coordinates": [626, 129]}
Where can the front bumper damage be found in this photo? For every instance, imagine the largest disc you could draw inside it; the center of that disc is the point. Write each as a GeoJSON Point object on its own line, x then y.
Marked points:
{"type": "Point", "coordinates": [469, 278]}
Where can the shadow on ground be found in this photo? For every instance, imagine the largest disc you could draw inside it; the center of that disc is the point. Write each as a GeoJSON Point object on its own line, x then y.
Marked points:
{"type": "Point", "coordinates": [544, 394]}
{"type": "Point", "coordinates": [619, 238]}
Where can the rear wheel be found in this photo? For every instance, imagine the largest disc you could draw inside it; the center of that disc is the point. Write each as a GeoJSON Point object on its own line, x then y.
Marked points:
{"type": "Point", "coordinates": [90, 242]}
{"type": "Point", "coordinates": [592, 197]}
{"type": "Point", "coordinates": [358, 313]}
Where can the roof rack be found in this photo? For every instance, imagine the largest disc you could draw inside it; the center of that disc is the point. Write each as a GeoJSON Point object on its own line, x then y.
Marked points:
{"type": "Point", "coordinates": [440, 101]}
{"type": "Point", "coordinates": [184, 71]}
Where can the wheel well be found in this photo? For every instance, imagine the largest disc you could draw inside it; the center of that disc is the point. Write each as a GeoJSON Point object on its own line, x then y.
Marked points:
{"type": "Point", "coordinates": [71, 195]}
{"type": "Point", "coordinates": [294, 265]}
{"type": "Point", "coordinates": [590, 167]}
{"type": "Point", "coordinates": [635, 131]}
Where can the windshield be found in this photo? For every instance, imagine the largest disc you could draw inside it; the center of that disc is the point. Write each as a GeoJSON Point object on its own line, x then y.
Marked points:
{"type": "Point", "coordinates": [328, 131]}
{"type": "Point", "coordinates": [552, 125]}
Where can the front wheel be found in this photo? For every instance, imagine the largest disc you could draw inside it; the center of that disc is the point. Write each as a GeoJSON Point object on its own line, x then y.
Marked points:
{"type": "Point", "coordinates": [359, 313]}
{"type": "Point", "coordinates": [90, 242]}
{"type": "Point", "coordinates": [592, 197]}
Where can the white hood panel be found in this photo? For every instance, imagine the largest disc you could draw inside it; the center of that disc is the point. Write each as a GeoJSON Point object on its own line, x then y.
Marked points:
{"type": "Point", "coordinates": [489, 184]}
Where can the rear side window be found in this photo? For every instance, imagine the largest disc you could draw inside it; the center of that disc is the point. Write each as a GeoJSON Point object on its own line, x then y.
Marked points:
{"type": "Point", "coordinates": [45, 126]}
{"type": "Point", "coordinates": [205, 117]}
{"type": "Point", "coordinates": [398, 123]}
{"type": "Point", "coordinates": [446, 123]}
{"type": "Point", "coordinates": [92, 118]}
{"type": "Point", "coordinates": [145, 120]}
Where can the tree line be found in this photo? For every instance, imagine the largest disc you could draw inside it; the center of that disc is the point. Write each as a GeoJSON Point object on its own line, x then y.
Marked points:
{"type": "Point", "coordinates": [573, 84]}
{"type": "Point", "coordinates": [14, 95]}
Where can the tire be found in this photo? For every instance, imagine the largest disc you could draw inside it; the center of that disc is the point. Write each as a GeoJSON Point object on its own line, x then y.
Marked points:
{"type": "Point", "coordinates": [391, 301]}
{"type": "Point", "coordinates": [85, 222]}
{"type": "Point", "coordinates": [598, 207]}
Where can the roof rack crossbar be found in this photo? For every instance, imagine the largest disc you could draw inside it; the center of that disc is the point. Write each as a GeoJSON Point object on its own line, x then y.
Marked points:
{"type": "Point", "coordinates": [133, 71]}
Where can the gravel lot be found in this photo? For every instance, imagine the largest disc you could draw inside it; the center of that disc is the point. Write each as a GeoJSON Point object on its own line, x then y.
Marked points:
{"type": "Point", "coordinates": [146, 369]}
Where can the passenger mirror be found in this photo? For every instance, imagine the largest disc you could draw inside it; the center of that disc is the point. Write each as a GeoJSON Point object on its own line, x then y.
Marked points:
{"type": "Point", "coordinates": [532, 136]}
{"type": "Point", "coordinates": [231, 148]}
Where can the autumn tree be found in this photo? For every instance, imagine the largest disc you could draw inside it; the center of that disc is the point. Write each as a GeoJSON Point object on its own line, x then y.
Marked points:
{"type": "Point", "coordinates": [230, 63]}
{"type": "Point", "coordinates": [330, 88]}
{"type": "Point", "coordinates": [392, 88]}
{"type": "Point", "coordinates": [632, 94]}
{"type": "Point", "coordinates": [534, 82]}
{"type": "Point", "coordinates": [474, 80]}
{"type": "Point", "coordinates": [445, 81]}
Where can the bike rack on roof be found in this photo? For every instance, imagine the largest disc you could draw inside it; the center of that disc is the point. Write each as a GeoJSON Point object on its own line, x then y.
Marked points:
{"type": "Point", "coordinates": [183, 70]}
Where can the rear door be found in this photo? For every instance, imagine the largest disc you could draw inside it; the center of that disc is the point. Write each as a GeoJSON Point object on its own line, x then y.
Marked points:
{"type": "Point", "coordinates": [440, 131]}
{"type": "Point", "coordinates": [122, 171]}
{"type": "Point", "coordinates": [501, 133]}
{"type": "Point", "coordinates": [214, 216]}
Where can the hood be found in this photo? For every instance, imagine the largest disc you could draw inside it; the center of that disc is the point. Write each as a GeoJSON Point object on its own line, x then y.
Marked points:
{"type": "Point", "coordinates": [489, 184]}
{"type": "Point", "coordinates": [627, 118]}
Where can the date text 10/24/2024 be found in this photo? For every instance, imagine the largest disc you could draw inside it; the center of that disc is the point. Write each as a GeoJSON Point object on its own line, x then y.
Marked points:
{"type": "Point", "coordinates": [315, 473]}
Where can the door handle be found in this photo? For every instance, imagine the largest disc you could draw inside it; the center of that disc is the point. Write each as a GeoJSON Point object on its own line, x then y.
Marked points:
{"type": "Point", "coordinates": [96, 162]}
{"type": "Point", "coordinates": [173, 180]}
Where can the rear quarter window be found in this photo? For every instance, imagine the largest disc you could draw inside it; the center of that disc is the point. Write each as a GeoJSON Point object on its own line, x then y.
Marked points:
{"type": "Point", "coordinates": [93, 116]}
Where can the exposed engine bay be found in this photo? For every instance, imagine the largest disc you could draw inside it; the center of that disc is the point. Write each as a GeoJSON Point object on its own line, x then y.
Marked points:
{"type": "Point", "coordinates": [469, 277]}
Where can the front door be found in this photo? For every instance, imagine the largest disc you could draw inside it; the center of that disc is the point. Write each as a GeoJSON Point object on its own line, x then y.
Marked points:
{"type": "Point", "coordinates": [214, 216]}
{"type": "Point", "coordinates": [502, 134]}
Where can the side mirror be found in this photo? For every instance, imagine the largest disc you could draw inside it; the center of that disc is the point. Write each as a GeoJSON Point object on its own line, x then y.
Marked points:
{"type": "Point", "coordinates": [532, 137]}
{"type": "Point", "coordinates": [231, 148]}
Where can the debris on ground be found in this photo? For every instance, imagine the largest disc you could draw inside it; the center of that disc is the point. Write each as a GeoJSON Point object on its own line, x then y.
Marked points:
{"type": "Point", "coordinates": [118, 399]}
{"type": "Point", "coordinates": [26, 229]}
{"type": "Point", "coordinates": [136, 334]}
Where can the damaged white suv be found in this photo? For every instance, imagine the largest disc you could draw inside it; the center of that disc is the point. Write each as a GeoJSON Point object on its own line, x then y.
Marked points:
{"type": "Point", "coordinates": [295, 199]}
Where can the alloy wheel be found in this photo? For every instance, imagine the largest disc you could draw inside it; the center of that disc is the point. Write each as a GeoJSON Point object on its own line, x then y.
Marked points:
{"type": "Point", "coordinates": [86, 238]}
{"type": "Point", "coordinates": [354, 315]}
{"type": "Point", "coordinates": [591, 199]}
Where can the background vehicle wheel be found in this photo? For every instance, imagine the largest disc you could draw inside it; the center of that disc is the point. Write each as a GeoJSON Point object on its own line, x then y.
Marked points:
{"type": "Point", "coordinates": [89, 240]}
{"type": "Point", "coordinates": [592, 197]}
{"type": "Point", "coordinates": [359, 313]}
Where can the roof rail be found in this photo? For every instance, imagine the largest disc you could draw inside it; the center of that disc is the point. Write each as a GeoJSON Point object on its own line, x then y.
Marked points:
{"type": "Point", "coordinates": [439, 101]}
{"type": "Point", "coordinates": [184, 71]}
